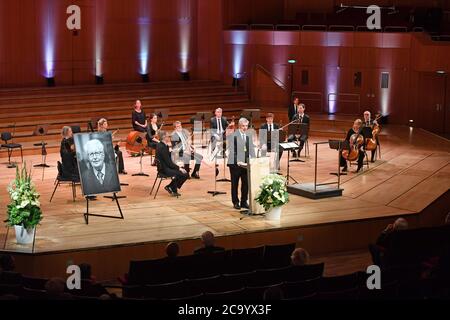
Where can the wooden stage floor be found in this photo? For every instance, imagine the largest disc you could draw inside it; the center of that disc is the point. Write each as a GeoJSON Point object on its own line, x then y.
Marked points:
{"type": "Point", "coordinates": [414, 171]}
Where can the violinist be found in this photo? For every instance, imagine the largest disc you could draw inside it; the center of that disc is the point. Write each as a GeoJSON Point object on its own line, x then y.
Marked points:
{"type": "Point", "coordinates": [369, 123]}
{"type": "Point", "coordinates": [270, 127]}
{"type": "Point", "coordinates": [218, 124]}
{"type": "Point", "coordinates": [152, 133]}
{"type": "Point", "coordinates": [356, 141]}
{"type": "Point", "coordinates": [184, 150]}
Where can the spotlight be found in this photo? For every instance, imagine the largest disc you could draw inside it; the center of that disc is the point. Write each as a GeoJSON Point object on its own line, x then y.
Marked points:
{"type": "Point", "coordinates": [99, 79]}
{"type": "Point", "coordinates": [50, 81]}
{"type": "Point", "coordinates": [440, 72]}
{"type": "Point", "coordinates": [145, 77]}
{"type": "Point", "coordinates": [292, 61]}
{"type": "Point", "coordinates": [185, 76]}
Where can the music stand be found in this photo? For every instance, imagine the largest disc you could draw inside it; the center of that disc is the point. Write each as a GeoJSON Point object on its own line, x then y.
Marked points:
{"type": "Point", "coordinates": [214, 155]}
{"type": "Point", "coordinates": [201, 117]}
{"type": "Point", "coordinates": [76, 129]}
{"type": "Point", "coordinates": [250, 114]}
{"type": "Point", "coordinates": [299, 130]}
{"type": "Point", "coordinates": [339, 145]}
{"type": "Point", "coordinates": [289, 146]}
{"type": "Point", "coordinates": [163, 114]}
{"type": "Point", "coordinates": [41, 130]}
{"type": "Point", "coordinates": [141, 172]}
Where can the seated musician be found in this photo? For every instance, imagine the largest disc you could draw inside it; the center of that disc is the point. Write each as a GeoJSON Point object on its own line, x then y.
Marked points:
{"type": "Point", "coordinates": [168, 167]}
{"type": "Point", "coordinates": [356, 129]}
{"type": "Point", "coordinates": [369, 123]}
{"type": "Point", "coordinates": [270, 126]}
{"type": "Point", "coordinates": [138, 118]}
{"type": "Point", "coordinates": [68, 154]}
{"type": "Point", "coordinates": [152, 138]}
{"type": "Point", "coordinates": [301, 117]}
{"type": "Point", "coordinates": [218, 127]}
{"type": "Point", "coordinates": [184, 150]}
{"type": "Point", "coordinates": [102, 126]}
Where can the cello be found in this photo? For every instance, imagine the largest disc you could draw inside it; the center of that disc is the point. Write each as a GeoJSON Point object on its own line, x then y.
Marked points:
{"type": "Point", "coordinates": [136, 143]}
{"type": "Point", "coordinates": [356, 141]}
{"type": "Point", "coordinates": [371, 143]}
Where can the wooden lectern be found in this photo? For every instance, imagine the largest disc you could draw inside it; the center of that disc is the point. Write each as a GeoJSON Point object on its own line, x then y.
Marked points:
{"type": "Point", "coordinates": [257, 169]}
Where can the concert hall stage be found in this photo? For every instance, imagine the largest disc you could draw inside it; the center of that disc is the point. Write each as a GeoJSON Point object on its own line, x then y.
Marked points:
{"type": "Point", "coordinates": [412, 180]}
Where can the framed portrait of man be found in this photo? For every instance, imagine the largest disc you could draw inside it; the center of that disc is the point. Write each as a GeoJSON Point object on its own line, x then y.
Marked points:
{"type": "Point", "coordinates": [96, 163]}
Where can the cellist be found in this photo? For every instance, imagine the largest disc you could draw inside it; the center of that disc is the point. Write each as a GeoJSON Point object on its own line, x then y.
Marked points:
{"type": "Point", "coordinates": [368, 122]}
{"type": "Point", "coordinates": [356, 144]}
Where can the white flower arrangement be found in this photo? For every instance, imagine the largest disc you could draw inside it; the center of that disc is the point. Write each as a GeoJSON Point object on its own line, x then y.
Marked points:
{"type": "Point", "coordinates": [273, 192]}
{"type": "Point", "coordinates": [24, 208]}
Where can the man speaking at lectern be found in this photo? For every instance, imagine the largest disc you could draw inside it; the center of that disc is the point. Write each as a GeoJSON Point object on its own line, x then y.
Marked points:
{"type": "Point", "coordinates": [240, 148]}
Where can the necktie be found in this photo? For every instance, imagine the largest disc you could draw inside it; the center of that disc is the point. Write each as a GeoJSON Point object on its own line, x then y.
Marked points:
{"type": "Point", "coordinates": [100, 177]}
{"type": "Point", "coordinates": [219, 125]}
{"type": "Point", "coordinates": [301, 119]}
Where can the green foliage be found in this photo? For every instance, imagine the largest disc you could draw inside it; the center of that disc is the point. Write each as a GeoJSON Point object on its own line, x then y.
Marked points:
{"type": "Point", "coordinates": [24, 208]}
{"type": "Point", "coordinates": [273, 192]}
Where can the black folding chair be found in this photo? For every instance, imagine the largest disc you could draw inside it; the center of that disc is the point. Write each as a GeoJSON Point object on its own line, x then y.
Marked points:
{"type": "Point", "coordinates": [61, 178]}
{"type": "Point", "coordinates": [6, 136]}
{"type": "Point", "coordinates": [161, 176]}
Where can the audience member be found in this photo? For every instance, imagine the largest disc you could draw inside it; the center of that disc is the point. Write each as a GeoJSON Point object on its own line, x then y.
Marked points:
{"type": "Point", "coordinates": [208, 244]}
{"type": "Point", "coordinates": [55, 289]}
{"type": "Point", "coordinates": [7, 262]}
{"type": "Point", "coordinates": [299, 257]}
{"type": "Point", "coordinates": [172, 250]}
{"type": "Point", "coordinates": [399, 224]}
{"type": "Point", "coordinates": [273, 293]}
{"type": "Point", "coordinates": [447, 219]}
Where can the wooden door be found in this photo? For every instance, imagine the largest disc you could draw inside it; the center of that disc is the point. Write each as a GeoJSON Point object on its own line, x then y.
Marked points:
{"type": "Point", "coordinates": [431, 111]}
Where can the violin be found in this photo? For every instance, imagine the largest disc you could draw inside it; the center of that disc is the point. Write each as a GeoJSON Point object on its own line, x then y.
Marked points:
{"type": "Point", "coordinates": [356, 141]}
{"type": "Point", "coordinates": [156, 136]}
{"type": "Point", "coordinates": [371, 143]}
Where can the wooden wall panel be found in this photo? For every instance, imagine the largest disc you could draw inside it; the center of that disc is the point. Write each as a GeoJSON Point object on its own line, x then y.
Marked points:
{"type": "Point", "coordinates": [113, 37]}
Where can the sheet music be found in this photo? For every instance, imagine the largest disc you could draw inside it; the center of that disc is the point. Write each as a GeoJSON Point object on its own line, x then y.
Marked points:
{"type": "Point", "coordinates": [289, 145]}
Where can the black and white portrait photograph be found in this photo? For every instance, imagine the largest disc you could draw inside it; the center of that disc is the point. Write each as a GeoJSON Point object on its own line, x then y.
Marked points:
{"type": "Point", "coordinates": [96, 163]}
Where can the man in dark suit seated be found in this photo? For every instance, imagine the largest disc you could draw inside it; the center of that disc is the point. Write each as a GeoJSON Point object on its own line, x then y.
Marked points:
{"type": "Point", "coordinates": [269, 128]}
{"type": "Point", "coordinates": [168, 167]}
{"type": "Point", "coordinates": [99, 175]}
{"type": "Point", "coordinates": [240, 148]}
{"type": "Point", "coordinates": [181, 141]}
{"type": "Point", "coordinates": [208, 244]}
{"type": "Point", "coordinates": [302, 118]}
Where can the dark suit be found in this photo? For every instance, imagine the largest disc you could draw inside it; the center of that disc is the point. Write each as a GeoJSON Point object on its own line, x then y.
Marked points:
{"type": "Point", "coordinates": [268, 142]}
{"type": "Point", "coordinates": [213, 124]}
{"type": "Point", "coordinates": [91, 184]}
{"type": "Point", "coordinates": [168, 167]}
{"type": "Point", "coordinates": [292, 110]}
{"type": "Point", "coordinates": [239, 151]}
{"type": "Point", "coordinates": [214, 131]}
{"type": "Point", "coordinates": [305, 120]}
{"type": "Point", "coordinates": [186, 155]}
